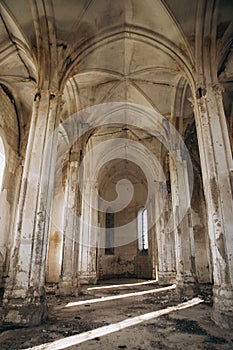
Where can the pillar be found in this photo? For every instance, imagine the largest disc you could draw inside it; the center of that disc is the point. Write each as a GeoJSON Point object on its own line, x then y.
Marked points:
{"type": "Point", "coordinates": [216, 163]}
{"type": "Point", "coordinates": [88, 235]}
{"type": "Point", "coordinates": [24, 301]}
{"type": "Point", "coordinates": [165, 239]}
{"type": "Point", "coordinates": [183, 228]}
{"type": "Point", "coordinates": [152, 236]}
{"type": "Point", "coordinates": [68, 284]}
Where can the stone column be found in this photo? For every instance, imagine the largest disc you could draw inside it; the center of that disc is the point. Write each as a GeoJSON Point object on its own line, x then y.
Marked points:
{"type": "Point", "coordinates": [88, 235]}
{"type": "Point", "coordinates": [153, 244]}
{"type": "Point", "coordinates": [216, 162]}
{"type": "Point", "coordinates": [24, 299]}
{"type": "Point", "coordinates": [183, 228]}
{"type": "Point", "coordinates": [68, 284]}
{"type": "Point", "coordinates": [165, 239]}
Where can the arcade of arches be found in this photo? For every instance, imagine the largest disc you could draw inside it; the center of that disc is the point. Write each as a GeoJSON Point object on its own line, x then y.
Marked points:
{"type": "Point", "coordinates": [116, 138]}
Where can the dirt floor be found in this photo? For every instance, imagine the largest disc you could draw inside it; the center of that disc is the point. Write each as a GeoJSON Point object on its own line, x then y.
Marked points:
{"type": "Point", "coordinates": [186, 329]}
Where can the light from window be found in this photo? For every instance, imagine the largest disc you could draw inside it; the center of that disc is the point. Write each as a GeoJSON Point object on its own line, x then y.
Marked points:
{"type": "Point", "coordinates": [2, 161]}
{"type": "Point", "coordinates": [142, 229]}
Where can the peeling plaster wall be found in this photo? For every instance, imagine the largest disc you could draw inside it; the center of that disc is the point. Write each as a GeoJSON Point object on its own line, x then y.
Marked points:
{"type": "Point", "coordinates": [9, 132]}
{"type": "Point", "coordinates": [8, 121]}
{"type": "Point", "coordinates": [202, 248]}
{"type": "Point", "coordinates": [121, 264]}
{"type": "Point", "coordinates": [53, 266]}
{"type": "Point", "coordinates": [203, 259]}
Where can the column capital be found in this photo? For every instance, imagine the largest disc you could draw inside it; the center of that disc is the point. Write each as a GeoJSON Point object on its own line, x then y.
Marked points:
{"type": "Point", "coordinates": [217, 89]}
{"type": "Point", "coordinates": [52, 93]}
{"type": "Point", "coordinates": [202, 91]}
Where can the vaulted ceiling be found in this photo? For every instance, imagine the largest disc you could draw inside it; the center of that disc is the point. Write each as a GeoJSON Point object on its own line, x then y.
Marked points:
{"type": "Point", "coordinates": [99, 51]}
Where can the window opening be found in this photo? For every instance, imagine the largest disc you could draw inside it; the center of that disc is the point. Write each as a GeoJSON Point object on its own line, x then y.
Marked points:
{"type": "Point", "coordinates": [142, 230]}
{"type": "Point", "coordinates": [109, 235]}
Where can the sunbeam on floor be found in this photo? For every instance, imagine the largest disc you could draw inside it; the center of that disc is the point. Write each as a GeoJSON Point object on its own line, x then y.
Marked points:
{"type": "Point", "coordinates": [113, 286]}
{"type": "Point", "coordinates": [102, 331]}
{"type": "Point", "coordinates": [140, 320]}
{"type": "Point", "coordinates": [122, 296]}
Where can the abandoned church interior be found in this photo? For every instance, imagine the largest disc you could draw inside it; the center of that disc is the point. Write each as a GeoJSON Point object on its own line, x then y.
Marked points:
{"type": "Point", "coordinates": [116, 138]}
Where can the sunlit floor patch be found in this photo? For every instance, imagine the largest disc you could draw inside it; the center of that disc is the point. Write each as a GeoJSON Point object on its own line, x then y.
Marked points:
{"type": "Point", "coordinates": [122, 296]}
{"type": "Point", "coordinates": [124, 285]}
{"type": "Point", "coordinates": [80, 338]}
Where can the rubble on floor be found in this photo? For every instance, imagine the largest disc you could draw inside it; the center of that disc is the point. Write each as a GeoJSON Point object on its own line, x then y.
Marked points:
{"type": "Point", "coordinates": [189, 328]}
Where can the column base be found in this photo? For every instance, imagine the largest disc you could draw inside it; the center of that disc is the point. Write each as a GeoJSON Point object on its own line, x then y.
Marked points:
{"type": "Point", "coordinates": [222, 313]}
{"type": "Point", "coordinates": [87, 278]}
{"type": "Point", "coordinates": [166, 277]}
{"type": "Point", "coordinates": [68, 287]}
{"type": "Point", "coordinates": [186, 286]}
{"type": "Point", "coordinates": [30, 310]}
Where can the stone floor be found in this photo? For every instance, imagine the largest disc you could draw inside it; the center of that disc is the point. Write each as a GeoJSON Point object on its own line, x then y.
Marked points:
{"type": "Point", "coordinates": [84, 326]}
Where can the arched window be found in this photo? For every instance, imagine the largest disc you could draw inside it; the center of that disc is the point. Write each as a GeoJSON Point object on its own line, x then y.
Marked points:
{"type": "Point", "coordinates": [142, 230]}
{"type": "Point", "coordinates": [109, 236]}
{"type": "Point", "coordinates": [2, 161]}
